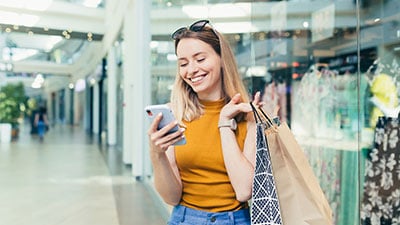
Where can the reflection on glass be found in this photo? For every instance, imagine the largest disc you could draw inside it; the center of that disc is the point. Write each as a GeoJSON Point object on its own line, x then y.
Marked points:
{"type": "Point", "coordinates": [334, 78]}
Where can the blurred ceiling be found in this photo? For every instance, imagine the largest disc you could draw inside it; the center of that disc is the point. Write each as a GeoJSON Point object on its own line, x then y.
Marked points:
{"type": "Point", "coordinates": [47, 37]}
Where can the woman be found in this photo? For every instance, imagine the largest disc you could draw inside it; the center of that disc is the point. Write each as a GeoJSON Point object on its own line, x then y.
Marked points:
{"type": "Point", "coordinates": [209, 179]}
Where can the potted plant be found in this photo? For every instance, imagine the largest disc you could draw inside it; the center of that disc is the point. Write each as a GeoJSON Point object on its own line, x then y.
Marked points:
{"type": "Point", "coordinates": [12, 102]}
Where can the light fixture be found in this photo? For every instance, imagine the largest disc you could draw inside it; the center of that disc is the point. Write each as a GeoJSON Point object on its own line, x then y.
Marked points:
{"type": "Point", "coordinates": [223, 10]}
{"type": "Point", "coordinates": [89, 36]}
{"type": "Point", "coordinates": [38, 82]}
{"type": "Point", "coordinates": [6, 66]}
{"type": "Point", "coordinates": [80, 85]}
{"type": "Point", "coordinates": [91, 3]}
{"type": "Point", "coordinates": [236, 27]}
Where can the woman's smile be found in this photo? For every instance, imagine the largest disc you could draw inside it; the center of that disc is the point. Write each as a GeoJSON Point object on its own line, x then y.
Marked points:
{"type": "Point", "coordinates": [197, 79]}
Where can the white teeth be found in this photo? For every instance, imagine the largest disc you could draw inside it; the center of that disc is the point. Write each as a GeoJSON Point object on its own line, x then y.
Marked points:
{"type": "Point", "coordinates": [196, 79]}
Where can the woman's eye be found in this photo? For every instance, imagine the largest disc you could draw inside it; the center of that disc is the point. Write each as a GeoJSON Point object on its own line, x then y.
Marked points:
{"type": "Point", "coordinates": [183, 64]}
{"type": "Point", "coordinates": [200, 60]}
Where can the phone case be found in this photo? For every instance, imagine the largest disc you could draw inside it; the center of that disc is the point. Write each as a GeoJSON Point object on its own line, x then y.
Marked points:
{"type": "Point", "coordinates": [168, 117]}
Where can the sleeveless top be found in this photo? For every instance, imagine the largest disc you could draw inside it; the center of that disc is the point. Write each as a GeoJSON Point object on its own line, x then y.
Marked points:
{"type": "Point", "coordinates": [206, 185]}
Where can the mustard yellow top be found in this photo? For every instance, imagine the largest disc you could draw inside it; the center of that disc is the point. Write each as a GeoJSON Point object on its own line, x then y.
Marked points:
{"type": "Point", "coordinates": [206, 185]}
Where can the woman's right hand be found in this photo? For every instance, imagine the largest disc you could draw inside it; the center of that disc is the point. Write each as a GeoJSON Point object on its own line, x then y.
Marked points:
{"type": "Point", "coordinates": [160, 140]}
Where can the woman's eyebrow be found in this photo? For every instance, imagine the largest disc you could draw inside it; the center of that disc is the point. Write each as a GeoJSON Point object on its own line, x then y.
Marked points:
{"type": "Point", "coordinates": [196, 54]}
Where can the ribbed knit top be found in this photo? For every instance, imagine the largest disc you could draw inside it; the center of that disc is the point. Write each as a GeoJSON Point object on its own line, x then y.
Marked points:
{"type": "Point", "coordinates": [206, 184]}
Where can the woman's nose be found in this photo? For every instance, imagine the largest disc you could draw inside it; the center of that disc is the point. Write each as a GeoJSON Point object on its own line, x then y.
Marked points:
{"type": "Point", "coordinates": [192, 68]}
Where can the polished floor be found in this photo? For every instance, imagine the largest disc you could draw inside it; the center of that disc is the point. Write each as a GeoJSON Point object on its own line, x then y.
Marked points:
{"type": "Point", "coordinates": [69, 179]}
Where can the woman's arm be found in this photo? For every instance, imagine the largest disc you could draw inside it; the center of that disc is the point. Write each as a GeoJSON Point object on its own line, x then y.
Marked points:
{"type": "Point", "coordinates": [36, 119]}
{"type": "Point", "coordinates": [166, 175]}
{"type": "Point", "coordinates": [239, 164]}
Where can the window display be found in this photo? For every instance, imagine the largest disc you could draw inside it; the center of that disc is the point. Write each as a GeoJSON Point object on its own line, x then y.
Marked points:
{"type": "Point", "coordinates": [332, 68]}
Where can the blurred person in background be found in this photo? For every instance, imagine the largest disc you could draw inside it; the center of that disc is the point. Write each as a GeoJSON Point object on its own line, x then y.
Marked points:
{"type": "Point", "coordinates": [41, 121]}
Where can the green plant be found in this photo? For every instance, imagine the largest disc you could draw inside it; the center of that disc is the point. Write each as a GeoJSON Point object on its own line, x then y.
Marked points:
{"type": "Point", "coordinates": [12, 100]}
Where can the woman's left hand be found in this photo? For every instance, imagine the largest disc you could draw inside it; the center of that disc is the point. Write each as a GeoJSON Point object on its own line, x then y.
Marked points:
{"type": "Point", "coordinates": [236, 106]}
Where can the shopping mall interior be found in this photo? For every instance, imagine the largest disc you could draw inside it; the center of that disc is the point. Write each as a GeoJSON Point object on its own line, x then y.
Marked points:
{"type": "Point", "coordinates": [332, 67]}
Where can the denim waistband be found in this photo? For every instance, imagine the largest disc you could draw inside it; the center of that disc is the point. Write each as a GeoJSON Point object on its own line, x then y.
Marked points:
{"type": "Point", "coordinates": [183, 214]}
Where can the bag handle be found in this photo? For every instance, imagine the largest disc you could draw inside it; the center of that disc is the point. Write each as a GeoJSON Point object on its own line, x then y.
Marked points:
{"type": "Point", "coordinates": [264, 118]}
{"type": "Point", "coordinates": [256, 115]}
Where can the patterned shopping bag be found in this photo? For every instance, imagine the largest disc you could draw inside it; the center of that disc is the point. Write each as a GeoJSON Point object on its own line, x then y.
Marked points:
{"type": "Point", "coordinates": [265, 208]}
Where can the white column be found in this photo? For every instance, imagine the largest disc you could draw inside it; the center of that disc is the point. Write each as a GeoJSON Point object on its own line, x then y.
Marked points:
{"type": "Point", "coordinates": [136, 83]}
{"type": "Point", "coordinates": [111, 98]}
{"type": "Point", "coordinates": [95, 110]}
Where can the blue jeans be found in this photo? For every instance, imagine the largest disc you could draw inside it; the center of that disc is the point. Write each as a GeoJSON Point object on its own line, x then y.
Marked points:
{"type": "Point", "coordinates": [182, 215]}
{"type": "Point", "coordinates": [41, 126]}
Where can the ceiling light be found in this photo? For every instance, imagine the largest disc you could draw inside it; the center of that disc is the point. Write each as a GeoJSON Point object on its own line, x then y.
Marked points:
{"type": "Point", "coordinates": [18, 19]}
{"type": "Point", "coordinates": [171, 57]}
{"type": "Point", "coordinates": [37, 5]}
{"type": "Point", "coordinates": [38, 82]}
{"type": "Point", "coordinates": [18, 54]}
{"type": "Point", "coordinates": [80, 85]}
{"type": "Point", "coordinates": [236, 27]}
{"type": "Point", "coordinates": [6, 67]}
{"type": "Point", "coordinates": [91, 3]}
{"type": "Point", "coordinates": [224, 10]}
{"type": "Point", "coordinates": [153, 44]}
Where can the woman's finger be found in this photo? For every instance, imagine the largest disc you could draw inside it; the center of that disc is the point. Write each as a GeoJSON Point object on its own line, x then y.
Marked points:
{"type": "Point", "coordinates": [154, 125]}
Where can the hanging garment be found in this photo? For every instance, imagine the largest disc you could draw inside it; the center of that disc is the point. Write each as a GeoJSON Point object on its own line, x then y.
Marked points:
{"type": "Point", "coordinates": [381, 197]}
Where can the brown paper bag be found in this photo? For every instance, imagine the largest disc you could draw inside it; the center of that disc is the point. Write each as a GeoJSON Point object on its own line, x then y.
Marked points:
{"type": "Point", "coordinates": [301, 198]}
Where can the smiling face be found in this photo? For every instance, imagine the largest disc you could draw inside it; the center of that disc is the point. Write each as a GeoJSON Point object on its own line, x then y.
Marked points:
{"type": "Point", "coordinates": [200, 67]}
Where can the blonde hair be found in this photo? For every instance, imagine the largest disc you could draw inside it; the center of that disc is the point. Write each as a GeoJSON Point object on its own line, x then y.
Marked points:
{"type": "Point", "coordinates": [184, 101]}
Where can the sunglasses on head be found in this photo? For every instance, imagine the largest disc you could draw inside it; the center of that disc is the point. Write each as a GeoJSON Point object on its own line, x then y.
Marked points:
{"type": "Point", "coordinates": [196, 27]}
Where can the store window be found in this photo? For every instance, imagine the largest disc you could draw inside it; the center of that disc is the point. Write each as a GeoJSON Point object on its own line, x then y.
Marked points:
{"type": "Point", "coordinates": [333, 69]}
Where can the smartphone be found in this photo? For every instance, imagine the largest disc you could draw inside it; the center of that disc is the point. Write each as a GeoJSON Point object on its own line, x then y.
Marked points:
{"type": "Point", "coordinates": [168, 117]}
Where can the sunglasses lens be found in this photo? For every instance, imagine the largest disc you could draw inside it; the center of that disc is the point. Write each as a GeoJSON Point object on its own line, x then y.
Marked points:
{"type": "Point", "coordinates": [178, 32]}
{"type": "Point", "coordinates": [198, 26]}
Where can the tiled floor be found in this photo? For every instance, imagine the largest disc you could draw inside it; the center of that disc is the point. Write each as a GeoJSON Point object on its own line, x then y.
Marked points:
{"type": "Point", "coordinates": [69, 179]}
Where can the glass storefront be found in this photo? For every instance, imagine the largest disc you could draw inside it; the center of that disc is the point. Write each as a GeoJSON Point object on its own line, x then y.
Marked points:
{"type": "Point", "coordinates": [333, 69]}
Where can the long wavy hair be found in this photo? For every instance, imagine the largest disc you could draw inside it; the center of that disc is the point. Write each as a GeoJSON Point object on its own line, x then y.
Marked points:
{"type": "Point", "coordinates": [184, 100]}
